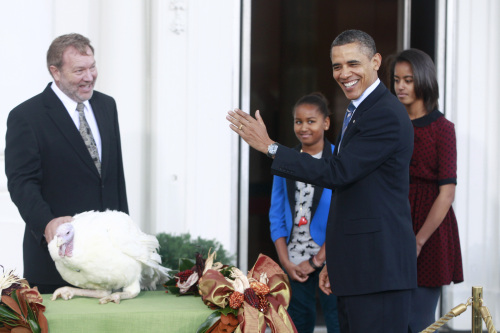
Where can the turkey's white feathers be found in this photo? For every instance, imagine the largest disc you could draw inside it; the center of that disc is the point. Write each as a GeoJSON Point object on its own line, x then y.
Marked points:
{"type": "Point", "coordinates": [110, 252]}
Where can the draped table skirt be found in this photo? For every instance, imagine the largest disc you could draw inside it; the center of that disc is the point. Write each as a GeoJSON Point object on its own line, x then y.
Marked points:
{"type": "Point", "coordinates": [150, 311]}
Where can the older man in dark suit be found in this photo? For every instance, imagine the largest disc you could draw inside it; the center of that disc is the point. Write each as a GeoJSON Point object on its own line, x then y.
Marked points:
{"type": "Point", "coordinates": [63, 154]}
{"type": "Point", "coordinates": [370, 245]}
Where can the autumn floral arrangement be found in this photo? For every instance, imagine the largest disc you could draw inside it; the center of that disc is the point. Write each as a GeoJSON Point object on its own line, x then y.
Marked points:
{"type": "Point", "coordinates": [241, 303]}
{"type": "Point", "coordinates": [21, 308]}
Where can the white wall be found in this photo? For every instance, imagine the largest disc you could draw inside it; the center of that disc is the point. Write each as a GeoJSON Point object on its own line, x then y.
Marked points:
{"type": "Point", "coordinates": [174, 72]}
{"type": "Point", "coordinates": [24, 75]}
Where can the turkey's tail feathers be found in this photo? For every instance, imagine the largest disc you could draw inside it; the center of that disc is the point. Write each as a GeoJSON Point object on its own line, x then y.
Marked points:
{"type": "Point", "coordinates": [153, 273]}
{"type": "Point", "coordinates": [152, 276]}
{"type": "Point", "coordinates": [149, 257]}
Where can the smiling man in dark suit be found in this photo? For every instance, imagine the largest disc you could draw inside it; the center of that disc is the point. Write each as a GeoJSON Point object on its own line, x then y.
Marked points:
{"type": "Point", "coordinates": [370, 245]}
{"type": "Point", "coordinates": [63, 154]}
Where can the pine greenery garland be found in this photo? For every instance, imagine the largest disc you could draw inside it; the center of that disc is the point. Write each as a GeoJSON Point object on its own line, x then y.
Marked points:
{"type": "Point", "coordinates": [175, 247]}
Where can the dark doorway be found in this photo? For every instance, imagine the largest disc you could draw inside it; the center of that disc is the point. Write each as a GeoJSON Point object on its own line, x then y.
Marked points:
{"type": "Point", "coordinates": [290, 48]}
{"type": "Point", "coordinates": [423, 26]}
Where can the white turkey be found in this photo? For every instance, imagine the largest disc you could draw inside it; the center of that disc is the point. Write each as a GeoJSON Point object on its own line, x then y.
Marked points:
{"type": "Point", "coordinates": [103, 252]}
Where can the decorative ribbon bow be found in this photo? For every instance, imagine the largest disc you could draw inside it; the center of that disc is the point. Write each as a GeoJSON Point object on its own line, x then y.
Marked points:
{"type": "Point", "coordinates": [216, 290]}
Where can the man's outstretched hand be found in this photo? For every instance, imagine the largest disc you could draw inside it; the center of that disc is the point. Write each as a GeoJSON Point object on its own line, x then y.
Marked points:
{"type": "Point", "coordinates": [252, 130]}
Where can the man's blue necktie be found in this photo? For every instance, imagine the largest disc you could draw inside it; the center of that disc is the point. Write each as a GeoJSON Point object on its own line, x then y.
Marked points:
{"type": "Point", "coordinates": [347, 119]}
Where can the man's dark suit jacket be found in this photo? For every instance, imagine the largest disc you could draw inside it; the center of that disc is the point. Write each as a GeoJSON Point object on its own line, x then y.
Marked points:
{"type": "Point", "coordinates": [370, 244]}
{"type": "Point", "coordinates": [51, 174]}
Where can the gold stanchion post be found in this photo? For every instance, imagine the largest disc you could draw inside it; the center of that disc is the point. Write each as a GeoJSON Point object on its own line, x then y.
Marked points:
{"type": "Point", "coordinates": [477, 296]}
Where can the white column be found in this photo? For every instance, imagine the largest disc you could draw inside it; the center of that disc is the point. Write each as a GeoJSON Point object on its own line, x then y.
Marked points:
{"type": "Point", "coordinates": [195, 80]}
{"type": "Point", "coordinates": [474, 99]}
{"type": "Point", "coordinates": [120, 29]}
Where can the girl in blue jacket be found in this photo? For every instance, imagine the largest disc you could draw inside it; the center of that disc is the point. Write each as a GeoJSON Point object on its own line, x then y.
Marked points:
{"type": "Point", "coordinates": [298, 215]}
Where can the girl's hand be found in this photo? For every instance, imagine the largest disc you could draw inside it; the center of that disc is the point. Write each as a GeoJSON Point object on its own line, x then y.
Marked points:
{"type": "Point", "coordinates": [419, 248]}
{"type": "Point", "coordinates": [306, 267]}
{"type": "Point", "coordinates": [295, 272]}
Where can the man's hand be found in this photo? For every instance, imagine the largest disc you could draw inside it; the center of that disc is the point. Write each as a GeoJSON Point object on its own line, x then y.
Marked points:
{"type": "Point", "coordinates": [252, 130]}
{"type": "Point", "coordinates": [324, 281]}
{"type": "Point", "coordinates": [50, 229]}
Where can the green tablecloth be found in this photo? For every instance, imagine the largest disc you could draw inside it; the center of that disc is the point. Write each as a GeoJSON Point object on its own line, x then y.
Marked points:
{"type": "Point", "coordinates": [150, 311]}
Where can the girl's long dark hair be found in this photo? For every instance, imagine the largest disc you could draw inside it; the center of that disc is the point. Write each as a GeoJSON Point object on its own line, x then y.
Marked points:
{"type": "Point", "coordinates": [424, 76]}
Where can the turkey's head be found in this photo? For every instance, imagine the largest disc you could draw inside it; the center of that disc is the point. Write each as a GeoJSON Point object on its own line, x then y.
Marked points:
{"type": "Point", "coordinates": [64, 237]}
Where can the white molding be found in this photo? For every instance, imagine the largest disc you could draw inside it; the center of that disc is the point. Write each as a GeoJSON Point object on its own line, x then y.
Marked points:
{"type": "Point", "coordinates": [440, 56]}
{"type": "Point", "coordinates": [179, 8]}
{"type": "Point", "coordinates": [450, 43]}
{"type": "Point", "coordinates": [407, 24]}
{"type": "Point", "coordinates": [244, 172]}
{"type": "Point", "coordinates": [3, 178]}
{"type": "Point", "coordinates": [147, 157]}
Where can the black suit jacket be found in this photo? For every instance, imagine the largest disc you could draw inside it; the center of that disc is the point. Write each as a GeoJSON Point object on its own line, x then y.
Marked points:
{"type": "Point", "coordinates": [50, 172]}
{"type": "Point", "coordinates": [370, 244]}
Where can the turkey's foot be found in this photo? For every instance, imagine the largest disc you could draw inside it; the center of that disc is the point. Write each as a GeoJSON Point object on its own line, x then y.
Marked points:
{"type": "Point", "coordinates": [67, 293]}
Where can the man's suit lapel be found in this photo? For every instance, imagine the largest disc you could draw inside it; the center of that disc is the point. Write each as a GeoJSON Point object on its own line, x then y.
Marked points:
{"type": "Point", "coordinates": [365, 105]}
{"type": "Point", "coordinates": [58, 113]}
{"type": "Point", "coordinates": [318, 191]}
{"type": "Point", "coordinates": [99, 109]}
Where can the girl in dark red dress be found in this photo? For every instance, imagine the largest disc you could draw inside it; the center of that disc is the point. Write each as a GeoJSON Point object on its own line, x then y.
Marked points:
{"type": "Point", "coordinates": [433, 174]}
